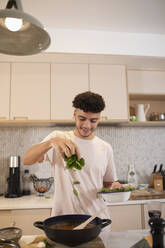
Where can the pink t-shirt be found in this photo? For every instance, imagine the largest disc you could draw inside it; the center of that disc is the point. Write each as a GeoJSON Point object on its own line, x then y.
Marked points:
{"type": "Point", "coordinates": [99, 167]}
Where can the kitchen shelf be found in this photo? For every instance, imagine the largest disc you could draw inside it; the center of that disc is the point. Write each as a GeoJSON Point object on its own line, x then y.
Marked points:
{"type": "Point", "coordinates": [147, 97]}
{"type": "Point", "coordinates": [53, 123]}
{"type": "Point", "coordinates": [144, 124]}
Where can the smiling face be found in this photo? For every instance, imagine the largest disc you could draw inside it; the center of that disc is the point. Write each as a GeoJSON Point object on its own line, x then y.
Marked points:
{"type": "Point", "coordinates": [86, 123]}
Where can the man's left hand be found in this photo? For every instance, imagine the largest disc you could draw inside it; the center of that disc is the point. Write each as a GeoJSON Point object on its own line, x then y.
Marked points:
{"type": "Point", "coordinates": [113, 185]}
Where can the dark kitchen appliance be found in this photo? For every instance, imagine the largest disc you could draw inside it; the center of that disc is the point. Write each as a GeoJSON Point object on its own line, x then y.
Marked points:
{"type": "Point", "coordinates": [14, 187]}
{"type": "Point", "coordinates": [157, 226]}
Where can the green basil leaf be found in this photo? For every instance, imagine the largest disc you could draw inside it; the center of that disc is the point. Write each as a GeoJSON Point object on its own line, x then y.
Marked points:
{"type": "Point", "coordinates": [75, 192]}
{"type": "Point", "coordinates": [76, 182]}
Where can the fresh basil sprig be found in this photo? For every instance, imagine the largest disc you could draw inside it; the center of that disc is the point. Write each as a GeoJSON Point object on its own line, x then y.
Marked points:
{"type": "Point", "coordinates": [74, 163]}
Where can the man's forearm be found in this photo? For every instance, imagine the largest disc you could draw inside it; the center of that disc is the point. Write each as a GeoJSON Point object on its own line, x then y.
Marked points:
{"type": "Point", "coordinates": [36, 153]}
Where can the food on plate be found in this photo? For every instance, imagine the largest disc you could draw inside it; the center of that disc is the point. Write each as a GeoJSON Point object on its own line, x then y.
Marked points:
{"type": "Point", "coordinates": [124, 189]}
{"type": "Point", "coordinates": [38, 242]}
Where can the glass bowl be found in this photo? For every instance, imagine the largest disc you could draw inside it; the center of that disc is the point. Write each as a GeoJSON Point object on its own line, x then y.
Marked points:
{"type": "Point", "coordinates": [42, 185]}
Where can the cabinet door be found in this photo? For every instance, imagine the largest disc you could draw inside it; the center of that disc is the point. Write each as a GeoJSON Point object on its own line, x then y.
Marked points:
{"type": "Point", "coordinates": [125, 217]}
{"type": "Point", "coordinates": [146, 82]}
{"type": "Point", "coordinates": [5, 218]}
{"type": "Point", "coordinates": [4, 90]}
{"type": "Point", "coordinates": [110, 82]}
{"type": "Point", "coordinates": [24, 219]}
{"type": "Point", "coordinates": [30, 91]}
{"type": "Point", "coordinates": [67, 80]}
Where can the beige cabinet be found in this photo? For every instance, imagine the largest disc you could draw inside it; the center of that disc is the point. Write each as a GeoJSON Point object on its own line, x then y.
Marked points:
{"type": "Point", "coordinates": [5, 218]}
{"type": "Point", "coordinates": [67, 80]}
{"type": "Point", "coordinates": [24, 219]}
{"type": "Point", "coordinates": [110, 82]}
{"type": "Point", "coordinates": [126, 217]}
{"type": "Point", "coordinates": [147, 86]}
{"type": "Point", "coordinates": [30, 91]}
{"type": "Point", "coordinates": [4, 90]}
{"type": "Point", "coordinates": [146, 82]}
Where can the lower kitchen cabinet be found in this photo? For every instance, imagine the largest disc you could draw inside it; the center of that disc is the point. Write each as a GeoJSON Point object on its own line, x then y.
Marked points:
{"type": "Point", "coordinates": [5, 218]}
{"type": "Point", "coordinates": [126, 217]}
{"type": "Point", "coordinates": [24, 219]}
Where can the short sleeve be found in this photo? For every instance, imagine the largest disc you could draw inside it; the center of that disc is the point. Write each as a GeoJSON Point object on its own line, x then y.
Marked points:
{"type": "Point", "coordinates": [110, 174]}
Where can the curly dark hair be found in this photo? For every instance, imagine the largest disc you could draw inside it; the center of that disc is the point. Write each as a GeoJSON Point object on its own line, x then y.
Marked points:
{"type": "Point", "coordinates": [89, 102]}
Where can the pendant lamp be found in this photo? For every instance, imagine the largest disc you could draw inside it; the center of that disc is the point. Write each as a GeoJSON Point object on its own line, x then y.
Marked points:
{"type": "Point", "coordinates": [21, 33]}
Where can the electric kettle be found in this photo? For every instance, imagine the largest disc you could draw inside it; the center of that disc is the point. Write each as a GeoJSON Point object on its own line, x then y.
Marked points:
{"type": "Point", "coordinates": [141, 111]}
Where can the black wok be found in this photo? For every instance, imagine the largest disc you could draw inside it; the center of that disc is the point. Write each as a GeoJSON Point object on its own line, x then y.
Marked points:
{"type": "Point", "coordinates": [72, 237]}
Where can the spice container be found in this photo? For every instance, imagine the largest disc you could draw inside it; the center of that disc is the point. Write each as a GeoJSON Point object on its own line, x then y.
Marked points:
{"type": "Point", "coordinates": [161, 117]}
{"type": "Point", "coordinates": [154, 116]}
{"type": "Point", "coordinates": [26, 183]}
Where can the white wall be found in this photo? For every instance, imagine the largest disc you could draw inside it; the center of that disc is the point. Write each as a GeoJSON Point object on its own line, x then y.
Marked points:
{"type": "Point", "coordinates": [104, 42]}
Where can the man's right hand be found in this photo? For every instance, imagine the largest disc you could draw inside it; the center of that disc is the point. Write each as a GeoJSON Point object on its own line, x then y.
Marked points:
{"type": "Point", "coordinates": [65, 146]}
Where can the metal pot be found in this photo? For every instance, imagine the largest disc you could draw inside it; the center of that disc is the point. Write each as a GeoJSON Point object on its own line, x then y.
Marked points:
{"type": "Point", "coordinates": [8, 244]}
{"type": "Point", "coordinates": [161, 117]}
{"type": "Point", "coordinates": [10, 234]}
{"type": "Point", "coordinates": [72, 237]}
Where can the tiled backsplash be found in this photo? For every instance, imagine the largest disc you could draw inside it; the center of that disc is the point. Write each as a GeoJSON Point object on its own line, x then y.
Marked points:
{"type": "Point", "coordinates": [142, 146]}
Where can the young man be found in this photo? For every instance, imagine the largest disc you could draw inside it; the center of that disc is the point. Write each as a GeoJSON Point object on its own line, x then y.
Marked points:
{"type": "Point", "coordinates": [99, 169]}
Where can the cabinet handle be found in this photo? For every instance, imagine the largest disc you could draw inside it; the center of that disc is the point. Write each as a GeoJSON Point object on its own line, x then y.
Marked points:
{"type": "Point", "coordinates": [20, 118]}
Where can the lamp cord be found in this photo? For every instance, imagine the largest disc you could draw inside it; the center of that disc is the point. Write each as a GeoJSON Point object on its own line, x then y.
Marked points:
{"type": "Point", "coordinates": [11, 3]}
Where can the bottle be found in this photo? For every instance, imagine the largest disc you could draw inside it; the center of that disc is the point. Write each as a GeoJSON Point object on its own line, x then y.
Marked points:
{"type": "Point", "coordinates": [132, 177]}
{"type": "Point", "coordinates": [26, 183]}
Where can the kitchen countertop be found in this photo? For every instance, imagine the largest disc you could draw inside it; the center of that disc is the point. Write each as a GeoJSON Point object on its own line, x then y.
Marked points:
{"type": "Point", "coordinates": [40, 202]}
{"type": "Point", "coordinates": [26, 202]}
{"type": "Point", "coordinates": [110, 239]}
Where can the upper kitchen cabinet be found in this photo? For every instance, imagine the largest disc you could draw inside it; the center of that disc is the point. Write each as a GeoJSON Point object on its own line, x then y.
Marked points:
{"type": "Point", "coordinates": [110, 82]}
{"type": "Point", "coordinates": [148, 86]}
{"type": "Point", "coordinates": [30, 91]}
{"type": "Point", "coordinates": [4, 90]}
{"type": "Point", "coordinates": [146, 82]}
{"type": "Point", "coordinates": [67, 80]}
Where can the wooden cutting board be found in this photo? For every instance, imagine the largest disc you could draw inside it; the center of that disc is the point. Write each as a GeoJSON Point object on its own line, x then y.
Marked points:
{"type": "Point", "coordinates": [146, 194]}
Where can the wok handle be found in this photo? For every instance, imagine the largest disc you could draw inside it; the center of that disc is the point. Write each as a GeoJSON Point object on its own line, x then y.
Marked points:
{"type": "Point", "coordinates": [105, 222]}
{"type": "Point", "coordinates": [39, 224]}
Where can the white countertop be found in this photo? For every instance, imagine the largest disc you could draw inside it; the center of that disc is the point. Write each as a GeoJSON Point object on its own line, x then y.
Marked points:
{"type": "Point", "coordinates": [39, 202]}
{"type": "Point", "coordinates": [26, 202]}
